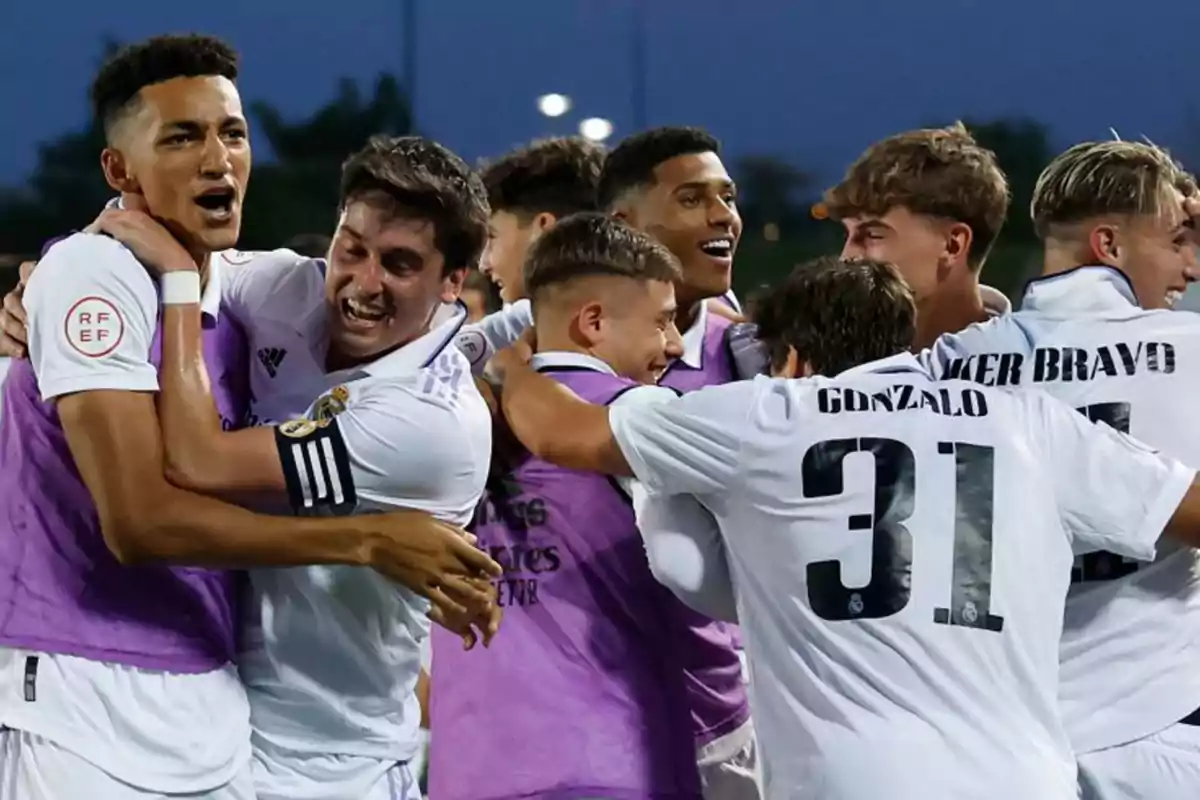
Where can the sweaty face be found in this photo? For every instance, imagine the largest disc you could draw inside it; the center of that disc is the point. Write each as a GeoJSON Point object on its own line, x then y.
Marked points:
{"type": "Point", "coordinates": [185, 149]}
{"type": "Point", "coordinates": [692, 209]}
{"type": "Point", "coordinates": [1157, 254]}
{"type": "Point", "coordinates": [384, 282]}
{"type": "Point", "coordinates": [914, 243]}
{"type": "Point", "coordinates": [640, 338]}
{"type": "Point", "coordinates": [503, 258]}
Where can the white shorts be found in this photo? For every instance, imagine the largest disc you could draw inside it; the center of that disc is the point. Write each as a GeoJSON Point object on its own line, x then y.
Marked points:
{"type": "Point", "coordinates": [1163, 766]}
{"type": "Point", "coordinates": [729, 767]}
{"type": "Point", "coordinates": [280, 774]}
{"type": "Point", "coordinates": [33, 768]}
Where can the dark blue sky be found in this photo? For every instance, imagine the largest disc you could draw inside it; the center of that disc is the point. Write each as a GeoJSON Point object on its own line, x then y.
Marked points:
{"type": "Point", "coordinates": [811, 82]}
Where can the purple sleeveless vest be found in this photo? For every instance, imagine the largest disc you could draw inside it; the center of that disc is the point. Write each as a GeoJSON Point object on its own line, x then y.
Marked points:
{"type": "Point", "coordinates": [61, 589]}
{"type": "Point", "coordinates": [718, 696]}
{"type": "Point", "coordinates": [584, 695]}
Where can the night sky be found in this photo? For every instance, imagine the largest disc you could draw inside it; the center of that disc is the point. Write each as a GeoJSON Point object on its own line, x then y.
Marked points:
{"type": "Point", "coordinates": [812, 83]}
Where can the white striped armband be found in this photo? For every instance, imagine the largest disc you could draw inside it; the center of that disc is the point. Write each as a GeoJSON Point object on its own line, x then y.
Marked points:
{"type": "Point", "coordinates": [316, 466]}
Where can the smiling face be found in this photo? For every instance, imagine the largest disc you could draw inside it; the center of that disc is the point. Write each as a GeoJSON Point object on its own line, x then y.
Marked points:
{"type": "Point", "coordinates": [1154, 250]}
{"type": "Point", "coordinates": [921, 247]}
{"type": "Point", "coordinates": [692, 209]}
{"type": "Point", "coordinates": [385, 280]}
{"type": "Point", "coordinates": [184, 149]}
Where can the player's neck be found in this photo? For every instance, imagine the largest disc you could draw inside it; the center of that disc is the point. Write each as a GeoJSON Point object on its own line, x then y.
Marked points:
{"type": "Point", "coordinates": [554, 338]}
{"type": "Point", "coordinates": [948, 310]}
{"type": "Point", "coordinates": [203, 265]}
{"type": "Point", "coordinates": [1059, 257]}
{"type": "Point", "coordinates": [689, 302]}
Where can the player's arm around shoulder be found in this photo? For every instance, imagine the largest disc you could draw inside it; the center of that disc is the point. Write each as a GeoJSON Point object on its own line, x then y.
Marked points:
{"type": "Point", "coordinates": [92, 311]}
{"type": "Point", "coordinates": [1113, 492]}
{"type": "Point", "coordinates": [693, 444]}
{"type": "Point", "coordinates": [479, 341]}
{"type": "Point", "coordinates": [555, 424]}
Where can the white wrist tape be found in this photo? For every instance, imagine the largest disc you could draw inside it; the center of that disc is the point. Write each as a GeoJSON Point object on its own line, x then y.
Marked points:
{"type": "Point", "coordinates": [180, 288]}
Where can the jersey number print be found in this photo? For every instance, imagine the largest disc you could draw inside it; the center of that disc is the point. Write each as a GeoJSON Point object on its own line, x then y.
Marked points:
{"type": "Point", "coordinates": [890, 586]}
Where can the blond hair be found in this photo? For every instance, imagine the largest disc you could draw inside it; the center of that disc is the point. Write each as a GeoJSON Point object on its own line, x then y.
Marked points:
{"type": "Point", "coordinates": [937, 172]}
{"type": "Point", "coordinates": [1095, 179]}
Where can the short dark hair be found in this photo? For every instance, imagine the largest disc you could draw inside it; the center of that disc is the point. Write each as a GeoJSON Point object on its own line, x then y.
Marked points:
{"type": "Point", "coordinates": [162, 58]}
{"type": "Point", "coordinates": [838, 314]}
{"type": "Point", "coordinates": [631, 163]}
{"type": "Point", "coordinates": [938, 172]}
{"type": "Point", "coordinates": [556, 176]}
{"type": "Point", "coordinates": [591, 243]}
{"type": "Point", "coordinates": [419, 178]}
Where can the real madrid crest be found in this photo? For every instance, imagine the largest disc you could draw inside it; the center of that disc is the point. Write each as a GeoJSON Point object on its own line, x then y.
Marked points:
{"type": "Point", "coordinates": [297, 428]}
{"type": "Point", "coordinates": [331, 404]}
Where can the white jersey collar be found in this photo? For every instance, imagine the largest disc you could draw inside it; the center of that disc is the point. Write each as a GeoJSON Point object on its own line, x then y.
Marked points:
{"type": "Point", "coordinates": [560, 359]}
{"type": "Point", "coordinates": [693, 339]}
{"type": "Point", "coordinates": [901, 362]}
{"type": "Point", "coordinates": [210, 300]}
{"type": "Point", "coordinates": [995, 302]}
{"type": "Point", "coordinates": [418, 353]}
{"type": "Point", "coordinates": [1083, 289]}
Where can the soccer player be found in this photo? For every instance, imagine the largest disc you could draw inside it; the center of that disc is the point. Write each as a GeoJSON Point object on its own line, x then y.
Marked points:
{"type": "Point", "coordinates": [529, 190]}
{"type": "Point", "coordinates": [331, 666]}
{"type": "Point", "coordinates": [592, 648]}
{"type": "Point", "coordinates": [932, 202]}
{"type": "Point", "coordinates": [1096, 332]}
{"type": "Point", "coordinates": [899, 546]}
{"type": "Point", "coordinates": [670, 179]}
{"type": "Point", "coordinates": [117, 634]}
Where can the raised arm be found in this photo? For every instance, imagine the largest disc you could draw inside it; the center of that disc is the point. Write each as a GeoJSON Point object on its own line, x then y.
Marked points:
{"type": "Point", "coordinates": [691, 445]}
{"type": "Point", "coordinates": [199, 454]}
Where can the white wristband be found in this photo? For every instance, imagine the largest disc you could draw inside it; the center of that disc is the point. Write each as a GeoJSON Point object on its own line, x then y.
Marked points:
{"type": "Point", "coordinates": [180, 288]}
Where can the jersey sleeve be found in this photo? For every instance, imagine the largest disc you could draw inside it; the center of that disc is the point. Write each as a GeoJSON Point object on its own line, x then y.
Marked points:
{"type": "Point", "coordinates": [396, 443]}
{"type": "Point", "coordinates": [480, 340]}
{"type": "Point", "coordinates": [1114, 493]}
{"type": "Point", "coordinates": [686, 552]}
{"type": "Point", "coordinates": [252, 278]}
{"type": "Point", "coordinates": [691, 445]}
{"type": "Point", "coordinates": [92, 311]}
{"type": "Point", "coordinates": [640, 396]}
{"type": "Point", "coordinates": [750, 357]}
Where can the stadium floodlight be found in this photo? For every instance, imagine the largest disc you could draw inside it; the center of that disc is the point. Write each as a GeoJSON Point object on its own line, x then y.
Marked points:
{"type": "Point", "coordinates": [554, 105]}
{"type": "Point", "coordinates": [597, 129]}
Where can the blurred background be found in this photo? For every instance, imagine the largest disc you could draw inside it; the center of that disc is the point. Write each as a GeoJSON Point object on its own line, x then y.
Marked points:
{"type": "Point", "coordinates": [795, 90]}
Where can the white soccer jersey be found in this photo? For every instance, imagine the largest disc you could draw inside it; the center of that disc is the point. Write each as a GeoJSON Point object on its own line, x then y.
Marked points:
{"type": "Point", "coordinates": [900, 550]}
{"type": "Point", "coordinates": [331, 666]}
{"type": "Point", "coordinates": [1131, 644]}
{"type": "Point", "coordinates": [93, 311]}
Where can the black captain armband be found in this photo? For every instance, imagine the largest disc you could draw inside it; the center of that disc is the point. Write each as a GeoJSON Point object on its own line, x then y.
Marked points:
{"type": "Point", "coordinates": [316, 466]}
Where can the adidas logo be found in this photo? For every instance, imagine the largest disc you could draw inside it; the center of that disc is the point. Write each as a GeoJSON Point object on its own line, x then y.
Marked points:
{"type": "Point", "coordinates": [271, 358]}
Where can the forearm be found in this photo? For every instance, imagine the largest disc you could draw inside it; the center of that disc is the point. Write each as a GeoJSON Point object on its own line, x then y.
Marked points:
{"type": "Point", "coordinates": [189, 529]}
{"type": "Point", "coordinates": [191, 427]}
{"type": "Point", "coordinates": [555, 425]}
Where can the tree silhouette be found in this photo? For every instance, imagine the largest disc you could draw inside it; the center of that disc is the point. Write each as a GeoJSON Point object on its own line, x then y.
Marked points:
{"type": "Point", "coordinates": [297, 193]}
{"type": "Point", "coordinates": [769, 190]}
{"type": "Point", "coordinates": [1022, 146]}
